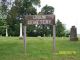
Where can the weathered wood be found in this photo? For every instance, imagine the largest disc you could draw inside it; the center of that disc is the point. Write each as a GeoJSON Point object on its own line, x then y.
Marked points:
{"type": "Point", "coordinates": [24, 37]}
{"type": "Point", "coordinates": [54, 37]}
{"type": "Point", "coordinates": [39, 19]}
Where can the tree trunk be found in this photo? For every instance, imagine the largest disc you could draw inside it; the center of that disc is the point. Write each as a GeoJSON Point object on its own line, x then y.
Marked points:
{"type": "Point", "coordinates": [6, 32]}
{"type": "Point", "coordinates": [21, 30]}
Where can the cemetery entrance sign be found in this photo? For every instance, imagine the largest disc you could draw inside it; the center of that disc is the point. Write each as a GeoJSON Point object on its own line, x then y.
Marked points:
{"type": "Point", "coordinates": [39, 19]}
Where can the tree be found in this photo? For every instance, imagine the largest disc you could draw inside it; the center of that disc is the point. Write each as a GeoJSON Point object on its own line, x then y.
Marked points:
{"type": "Point", "coordinates": [60, 29]}
{"type": "Point", "coordinates": [26, 6]}
{"type": "Point", "coordinates": [46, 29]}
{"type": "Point", "coordinates": [47, 10]}
{"type": "Point", "coordinates": [4, 10]}
{"type": "Point", "coordinates": [18, 10]}
{"type": "Point", "coordinates": [67, 33]}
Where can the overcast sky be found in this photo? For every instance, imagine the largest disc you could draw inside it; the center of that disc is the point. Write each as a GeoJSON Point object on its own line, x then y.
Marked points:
{"type": "Point", "coordinates": [68, 11]}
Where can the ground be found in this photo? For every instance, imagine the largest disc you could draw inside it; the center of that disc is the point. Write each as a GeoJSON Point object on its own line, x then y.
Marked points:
{"type": "Point", "coordinates": [39, 48]}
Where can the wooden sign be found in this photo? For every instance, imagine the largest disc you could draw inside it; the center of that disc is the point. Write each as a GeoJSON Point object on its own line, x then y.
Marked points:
{"type": "Point", "coordinates": [39, 19]}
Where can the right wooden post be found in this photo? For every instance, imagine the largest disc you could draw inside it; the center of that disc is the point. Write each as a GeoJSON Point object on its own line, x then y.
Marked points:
{"type": "Point", "coordinates": [54, 34]}
{"type": "Point", "coordinates": [54, 37]}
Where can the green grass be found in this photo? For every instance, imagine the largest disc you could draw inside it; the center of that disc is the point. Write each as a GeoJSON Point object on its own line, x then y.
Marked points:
{"type": "Point", "coordinates": [38, 48]}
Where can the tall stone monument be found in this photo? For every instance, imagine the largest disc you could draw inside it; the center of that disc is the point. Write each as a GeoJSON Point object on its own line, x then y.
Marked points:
{"type": "Point", "coordinates": [73, 34]}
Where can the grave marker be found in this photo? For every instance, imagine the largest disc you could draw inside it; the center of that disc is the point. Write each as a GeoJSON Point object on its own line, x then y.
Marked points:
{"type": "Point", "coordinates": [73, 34]}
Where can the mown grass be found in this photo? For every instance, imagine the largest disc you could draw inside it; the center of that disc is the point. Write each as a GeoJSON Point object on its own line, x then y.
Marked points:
{"type": "Point", "coordinates": [38, 48]}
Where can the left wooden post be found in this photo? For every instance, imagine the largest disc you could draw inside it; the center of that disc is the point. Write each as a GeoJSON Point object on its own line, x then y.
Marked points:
{"type": "Point", "coordinates": [24, 36]}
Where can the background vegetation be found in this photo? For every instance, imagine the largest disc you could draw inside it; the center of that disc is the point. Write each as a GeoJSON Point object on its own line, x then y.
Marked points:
{"type": "Point", "coordinates": [10, 17]}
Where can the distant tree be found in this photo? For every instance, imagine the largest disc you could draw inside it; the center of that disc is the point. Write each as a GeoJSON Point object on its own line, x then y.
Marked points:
{"type": "Point", "coordinates": [60, 29]}
{"type": "Point", "coordinates": [46, 29]}
{"type": "Point", "coordinates": [4, 13]}
{"type": "Point", "coordinates": [18, 10]}
{"type": "Point", "coordinates": [47, 10]}
{"type": "Point", "coordinates": [67, 33]}
{"type": "Point", "coordinates": [25, 7]}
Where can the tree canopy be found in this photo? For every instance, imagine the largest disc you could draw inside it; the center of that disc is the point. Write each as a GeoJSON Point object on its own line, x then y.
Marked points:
{"type": "Point", "coordinates": [60, 29]}
{"type": "Point", "coordinates": [16, 10]}
{"type": "Point", "coordinates": [47, 10]}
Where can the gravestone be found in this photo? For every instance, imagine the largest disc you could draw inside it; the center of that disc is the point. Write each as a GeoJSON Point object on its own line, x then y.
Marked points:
{"type": "Point", "coordinates": [73, 34]}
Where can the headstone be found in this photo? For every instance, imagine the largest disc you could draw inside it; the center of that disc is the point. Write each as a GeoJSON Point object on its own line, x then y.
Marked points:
{"type": "Point", "coordinates": [73, 34]}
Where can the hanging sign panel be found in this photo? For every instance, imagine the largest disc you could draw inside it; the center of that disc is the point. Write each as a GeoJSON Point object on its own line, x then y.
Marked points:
{"type": "Point", "coordinates": [39, 19]}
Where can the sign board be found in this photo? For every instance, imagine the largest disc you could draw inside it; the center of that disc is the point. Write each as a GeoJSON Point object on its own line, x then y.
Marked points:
{"type": "Point", "coordinates": [39, 19]}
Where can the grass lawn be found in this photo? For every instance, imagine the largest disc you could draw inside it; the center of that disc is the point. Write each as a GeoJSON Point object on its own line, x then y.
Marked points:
{"type": "Point", "coordinates": [39, 48]}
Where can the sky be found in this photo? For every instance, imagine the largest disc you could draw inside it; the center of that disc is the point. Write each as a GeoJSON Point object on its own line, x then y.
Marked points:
{"type": "Point", "coordinates": [67, 11]}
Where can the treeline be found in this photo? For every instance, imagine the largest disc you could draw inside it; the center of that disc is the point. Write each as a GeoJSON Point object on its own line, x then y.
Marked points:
{"type": "Point", "coordinates": [11, 17]}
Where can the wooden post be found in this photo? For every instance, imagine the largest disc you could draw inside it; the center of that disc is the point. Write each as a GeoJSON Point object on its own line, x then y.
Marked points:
{"type": "Point", "coordinates": [54, 38]}
{"type": "Point", "coordinates": [24, 37]}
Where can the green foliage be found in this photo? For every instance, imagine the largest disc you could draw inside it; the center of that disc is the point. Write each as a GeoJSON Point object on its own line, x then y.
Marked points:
{"type": "Point", "coordinates": [3, 6]}
{"type": "Point", "coordinates": [46, 29]}
{"type": "Point", "coordinates": [3, 16]}
{"type": "Point", "coordinates": [2, 27]}
{"type": "Point", "coordinates": [1, 22]}
{"type": "Point", "coordinates": [21, 8]}
{"type": "Point", "coordinates": [25, 7]}
{"type": "Point", "coordinates": [60, 29]}
{"type": "Point", "coordinates": [39, 30]}
{"type": "Point", "coordinates": [47, 10]}
{"type": "Point", "coordinates": [67, 33]}
{"type": "Point", "coordinates": [2, 31]}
